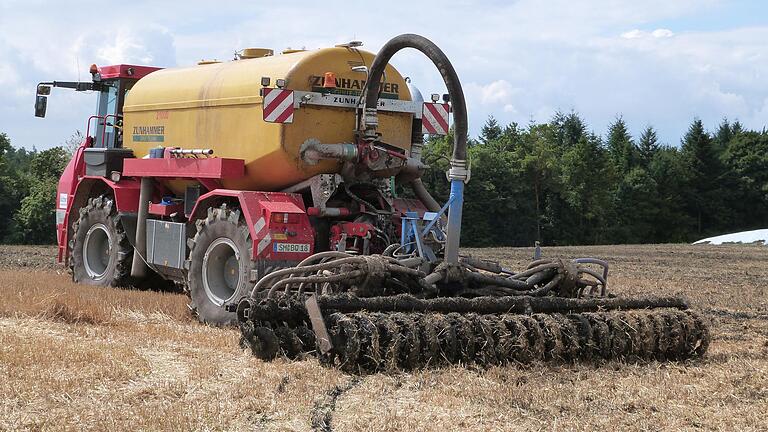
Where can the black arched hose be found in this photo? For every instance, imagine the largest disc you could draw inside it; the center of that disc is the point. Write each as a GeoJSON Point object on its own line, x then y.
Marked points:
{"type": "Point", "coordinates": [443, 65]}
{"type": "Point", "coordinates": [459, 172]}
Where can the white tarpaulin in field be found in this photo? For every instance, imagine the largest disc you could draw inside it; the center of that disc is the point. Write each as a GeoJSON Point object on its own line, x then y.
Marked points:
{"type": "Point", "coordinates": [745, 237]}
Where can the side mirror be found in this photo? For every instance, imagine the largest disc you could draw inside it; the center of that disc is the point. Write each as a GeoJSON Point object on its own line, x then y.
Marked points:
{"type": "Point", "coordinates": [41, 103]}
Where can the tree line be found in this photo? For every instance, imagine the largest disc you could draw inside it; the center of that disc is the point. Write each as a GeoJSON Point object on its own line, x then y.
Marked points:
{"type": "Point", "coordinates": [28, 180]}
{"type": "Point", "coordinates": [556, 182]}
{"type": "Point", "coordinates": [561, 184]}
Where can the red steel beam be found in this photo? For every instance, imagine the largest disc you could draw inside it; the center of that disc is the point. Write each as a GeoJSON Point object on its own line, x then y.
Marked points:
{"type": "Point", "coordinates": [203, 168]}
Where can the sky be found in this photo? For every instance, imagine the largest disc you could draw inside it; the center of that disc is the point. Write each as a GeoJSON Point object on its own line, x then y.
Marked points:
{"type": "Point", "coordinates": [653, 62]}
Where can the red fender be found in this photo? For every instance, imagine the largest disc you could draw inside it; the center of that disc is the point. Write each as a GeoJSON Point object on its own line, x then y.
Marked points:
{"type": "Point", "coordinates": [297, 237]}
{"type": "Point", "coordinates": [125, 192]}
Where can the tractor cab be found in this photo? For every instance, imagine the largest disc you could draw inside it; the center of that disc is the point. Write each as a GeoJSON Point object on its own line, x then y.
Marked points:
{"type": "Point", "coordinates": [103, 135]}
{"type": "Point", "coordinates": [104, 129]}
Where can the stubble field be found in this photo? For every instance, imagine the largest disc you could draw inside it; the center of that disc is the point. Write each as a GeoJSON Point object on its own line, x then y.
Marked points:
{"type": "Point", "coordinates": [82, 358]}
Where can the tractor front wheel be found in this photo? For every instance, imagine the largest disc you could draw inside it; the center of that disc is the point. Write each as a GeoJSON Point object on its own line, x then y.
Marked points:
{"type": "Point", "coordinates": [100, 253]}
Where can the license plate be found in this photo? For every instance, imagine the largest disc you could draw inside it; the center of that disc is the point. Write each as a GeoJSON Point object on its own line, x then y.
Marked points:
{"type": "Point", "coordinates": [292, 247]}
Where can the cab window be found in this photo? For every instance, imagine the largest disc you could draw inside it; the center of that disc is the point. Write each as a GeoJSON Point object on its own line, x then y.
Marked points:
{"type": "Point", "coordinates": [107, 111]}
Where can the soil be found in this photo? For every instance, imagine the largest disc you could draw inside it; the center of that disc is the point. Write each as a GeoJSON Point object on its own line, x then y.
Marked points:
{"type": "Point", "coordinates": [34, 258]}
{"type": "Point", "coordinates": [105, 358]}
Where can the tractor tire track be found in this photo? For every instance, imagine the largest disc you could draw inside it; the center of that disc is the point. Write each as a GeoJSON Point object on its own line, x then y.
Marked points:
{"type": "Point", "coordinates": [322, 413]}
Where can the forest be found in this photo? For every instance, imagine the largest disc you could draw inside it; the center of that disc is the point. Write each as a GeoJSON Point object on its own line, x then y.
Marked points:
{"type": "Point", "coordinates": [561, 184]}
{"type": "Point", "coordinates": [556, 182]}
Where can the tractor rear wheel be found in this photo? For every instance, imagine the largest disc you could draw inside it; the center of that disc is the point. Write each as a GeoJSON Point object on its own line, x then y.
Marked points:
{"type": "Point", "coordinates": [99, 251]}
{"type": "Point", "coordinates": [219, 265]}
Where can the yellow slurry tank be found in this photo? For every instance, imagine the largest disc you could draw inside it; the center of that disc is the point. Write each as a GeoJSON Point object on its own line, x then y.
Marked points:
{"type": "Point", "coordinates": [219, 106]}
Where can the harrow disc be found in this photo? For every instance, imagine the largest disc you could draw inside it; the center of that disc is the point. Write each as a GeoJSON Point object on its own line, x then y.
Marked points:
{"type": "Point", "coordinates": [378, 341]}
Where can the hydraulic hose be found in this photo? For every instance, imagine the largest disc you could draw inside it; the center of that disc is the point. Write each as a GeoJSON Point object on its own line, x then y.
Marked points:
{"type": "Point", "coordinates": [459, 172]}
{"type": "Point", "coordinates": [450, 78]}
{"type": "Point", "coordinates": [421, 192]}
{"type": "Point", "coordinates": [417, 186]}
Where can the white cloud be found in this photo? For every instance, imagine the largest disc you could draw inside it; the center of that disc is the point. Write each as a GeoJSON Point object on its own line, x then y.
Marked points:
{"type": "Point", "coordinates": [757, 116]}
{"type": "Point", "coordinates": [662, 33]}
{"type": "Point", "coordinates": [142, 44]}
{"type": "Point", "coordinates": [131, 46]}
{"type": "Point", "coordinates": [493, 98]}
{"type": "Point", "coordinates": [497, 92]}
{"type": "Point", "coordinates": [633, 34]}
{"type": "Point", "coordinates": [518, 60]}
{"type": "Point", "coordinates": [640, 34]}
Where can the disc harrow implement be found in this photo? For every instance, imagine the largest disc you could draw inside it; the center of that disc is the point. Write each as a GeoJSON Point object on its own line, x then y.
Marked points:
{"type": "Point", "coordinates": [404, 323]}
{"type": "Point", "coordinates": [372, 341]}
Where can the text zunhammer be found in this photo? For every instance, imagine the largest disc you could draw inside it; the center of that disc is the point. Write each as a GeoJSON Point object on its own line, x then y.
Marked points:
{"type": "Point", "coordinates": [149, 130]}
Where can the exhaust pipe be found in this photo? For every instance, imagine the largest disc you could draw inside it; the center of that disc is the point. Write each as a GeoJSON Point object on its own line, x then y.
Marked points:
{"type": "Point", "coordinates": [139, 266]}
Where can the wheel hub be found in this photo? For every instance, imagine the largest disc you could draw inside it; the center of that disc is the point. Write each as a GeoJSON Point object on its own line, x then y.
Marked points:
{"type": "Point", "coordinates": [96, 248]}
{"type": "Point", "coordinates": [221, 270]}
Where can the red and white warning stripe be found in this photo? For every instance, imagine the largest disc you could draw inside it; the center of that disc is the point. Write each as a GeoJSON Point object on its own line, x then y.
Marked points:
{"type": "Point", "coordinates": [434, 118]}
{"type": "Point", "coordinates": [278, 105]}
